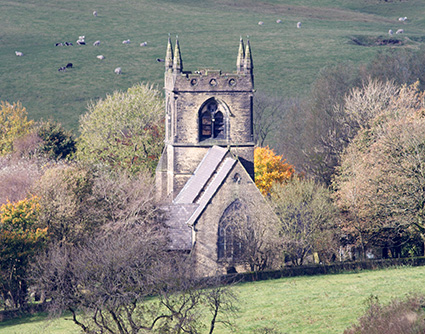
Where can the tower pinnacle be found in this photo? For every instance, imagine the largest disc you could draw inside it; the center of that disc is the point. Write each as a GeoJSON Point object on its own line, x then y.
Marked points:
{"type": "Point", "coordinates": [169, 56]}
{"type": "Point", "coordinates": [248, 66]}
{"type": "Point", "coordinates": [241, 55]}
{"type": "Point", "coordinates": [177, 61]}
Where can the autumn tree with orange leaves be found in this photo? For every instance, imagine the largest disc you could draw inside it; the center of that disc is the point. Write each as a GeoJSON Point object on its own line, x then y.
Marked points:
{"type": "Point", "coordinates": [20, 239]}
{"type": "Point", "coordinates": [270, 168]}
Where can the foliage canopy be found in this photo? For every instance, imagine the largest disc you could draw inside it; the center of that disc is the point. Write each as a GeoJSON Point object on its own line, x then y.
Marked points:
{"type": "Point", "coordinates": [125, 130]}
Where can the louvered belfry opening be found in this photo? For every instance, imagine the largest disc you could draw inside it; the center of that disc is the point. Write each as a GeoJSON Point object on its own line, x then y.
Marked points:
{"type": "Point", "coordinates": [212, 123]}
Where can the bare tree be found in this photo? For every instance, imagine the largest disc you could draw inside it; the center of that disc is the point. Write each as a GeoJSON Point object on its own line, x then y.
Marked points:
{"type": "Point", "coordinates": [125, 281]}
{"type": "Point", "coordinates": [248, 236]}
{"type": "Point", "coordinates": [269, 111]}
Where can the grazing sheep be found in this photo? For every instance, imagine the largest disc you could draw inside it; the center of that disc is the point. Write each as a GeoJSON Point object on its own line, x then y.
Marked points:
{"type": "Point", "coordinates": [18, 53]}
{"type": "Point", "coordinates": [68, 43]}
{"type": "Point", "coordinates": [62, 69]}
{"type": "Point", "coordinates": [260, 23]}
{"type": "Point", "coordinates": [399, 31]}
{"type": "Point", "coordinates": [59, 44]}
{"type": "Point", "coordinates": [118, 70]}
{"type": "Point", "coordinates": [390, 32]}
{"type": "Point", "coordinates": [127, 41]}
{"type": "Point", "coordinates": [279, 21]}
{"type": "Point", "coordinates": [81, 42]}
{"type": "Point", "coordinates": [299, 25]}
{"type": "Point", "coordinates": [159, 60]}
{"type": "Point", "coordinates": [95, 13]}
{"type": "Point", "coordinates": [100, 57]}
{"type": "Point", "coordinates": [402, 19]}
{"type": "Point", "coordinates": [144, 44]}
{"type": "Point", "coordinates": [96, 43]}
{"type": "Point", "coordinates": [69, 65]}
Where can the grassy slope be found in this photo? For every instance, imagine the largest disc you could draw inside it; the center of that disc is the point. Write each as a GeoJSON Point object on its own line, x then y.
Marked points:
{"type": "Point", "coordinates": [286, 59]}
{"type": "Point", "coordinates": [319, 304]}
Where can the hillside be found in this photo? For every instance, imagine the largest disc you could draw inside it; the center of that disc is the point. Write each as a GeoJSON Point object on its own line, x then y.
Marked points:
{"type": "Point", "coordinates": [316, 304]}
{"type": "Point", "coordinates": [286, 59]}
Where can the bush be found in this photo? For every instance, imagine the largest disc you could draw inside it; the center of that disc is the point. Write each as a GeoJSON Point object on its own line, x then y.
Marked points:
{"type": "Point", "coordinates": [398, 317]}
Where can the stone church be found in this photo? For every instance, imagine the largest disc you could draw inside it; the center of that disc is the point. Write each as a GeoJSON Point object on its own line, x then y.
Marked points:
{"type": "Point", "coordinates": [205, 176]}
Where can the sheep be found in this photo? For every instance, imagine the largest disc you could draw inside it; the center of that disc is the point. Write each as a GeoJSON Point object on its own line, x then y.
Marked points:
{"type": "Point", "coordinates": [69, 65]}
{"type": "Point", "coordinates": [279, 21]}
{"type": "Point", "coordinates": [68, 43]}
{"type": "Point", "coordinates": [118, 70]}
{"type": "Point", "coordinates": [127, 41]}
{"type": "Point", "coordinates": [299, 25]}
{"type": "Point", "coordinates": [18, 53]}
{"type": "Point", "coordinates": [402, 19]}
{"type": "Point", "coordinates": [82, 38]}
{"type": "Point", "coordinates": [399, 31]}
{"type": "Point", "coordinates": [159, 60]}
{"type": "Point", "coordinates": [81, 42]}
{"type": "Point", "coordinates": [144, 44]}
{"type": "Point", "coordinates": [96, 43]}
{"type": "Point", "coordinates": [260, 23]}
{"type": "Point", "coordinates": [94, 13]}
{"type": "Point", "coordinates": [100, 57]}
{"type": "Point", "coordinates": [390, 32]}
{"type": "Point", "coordinates": [59, 44]}
{"type": "Point", "coordinates": [62, 69]}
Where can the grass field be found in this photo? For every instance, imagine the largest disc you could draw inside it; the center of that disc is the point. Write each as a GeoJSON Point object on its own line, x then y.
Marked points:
{"type": "Point", "coordinates": [319, 304]}
{"type": "Point", "coordinates": [286, 59]}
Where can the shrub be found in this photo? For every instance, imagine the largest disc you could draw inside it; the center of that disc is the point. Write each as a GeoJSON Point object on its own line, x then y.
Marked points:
{"type": "Point", "coordinates": [398, 317]}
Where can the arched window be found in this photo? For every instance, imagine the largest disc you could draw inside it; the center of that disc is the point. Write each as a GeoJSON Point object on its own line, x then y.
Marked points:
{"type": "Point", "coordinates": [229, 242]}
{"type": "Point", "coordinates": [212, 121]}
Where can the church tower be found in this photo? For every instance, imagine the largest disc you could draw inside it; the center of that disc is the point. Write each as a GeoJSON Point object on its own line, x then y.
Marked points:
{"type": "Point", "coordinates": [204, 108]}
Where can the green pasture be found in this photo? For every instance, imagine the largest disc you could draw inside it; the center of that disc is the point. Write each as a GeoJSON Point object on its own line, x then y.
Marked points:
{"type": "Point", "coordinates": [319, 304]}
{"type": "Point", "coordinates": [286, 59]}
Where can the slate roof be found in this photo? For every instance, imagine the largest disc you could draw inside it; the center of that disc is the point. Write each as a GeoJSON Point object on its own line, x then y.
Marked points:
{"type": "Point", "coordinates": [179, 232]}
{"type": "Point", "coordinates": [195, 195]}
{"type": "Point", "coordinates": [202, 174]}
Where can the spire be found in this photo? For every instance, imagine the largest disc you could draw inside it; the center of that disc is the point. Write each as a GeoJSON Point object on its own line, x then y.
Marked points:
{"type": "Point", "coordinates": [241, 56]}
{"type": "Point", "coordinates": [248, 66]}
{"type": "Point", "coordinates": [169, 55]}
{"type": "Point", "coordinates": [177, 63]}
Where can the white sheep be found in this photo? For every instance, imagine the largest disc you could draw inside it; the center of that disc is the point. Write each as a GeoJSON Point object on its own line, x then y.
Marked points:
{"type": "Point", "coordinates": [299, 25]}
{"type": "Point", "coordinates": [18, 53]}
{"type": "Point", "coordinates": [399, 31]}
{"type": "Point", "coordinates": [96, 43]}
{"type": "Point", "coordinates": [127, 41]}
{"type": "Point", "coordinates": [402, 19]}
{"type": "Point", "coordinates": [100, 57]}
{"type": "Point", "coordinates": [144, 44]}
{"type": "Point", "coordinates": [94, 13]}
{"type": "Point", "coordinates": [279, 21]}
{"type": "Point", "coordinates": [390, 32]}
{"type": "Point", "coordinates": [260, 23]}
{"type": "Point", "coordinates": [117, 70]}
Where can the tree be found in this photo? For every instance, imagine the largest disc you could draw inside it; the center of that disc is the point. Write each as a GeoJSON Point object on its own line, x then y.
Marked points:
{"type": "Point", "coordinates": [248, 236]}
{"type": "Point", "coordinates": [306, 216]}
{"type": "Point", "coordinates": [270, 168]}
{"type": "Point", "coordinates": [20, 239]}
{"type": "Point", "coordinates": [17, 176]}
{"type": "Point", "coordinates": [266, 110]}
{"type": "Point", "coordinates": [67, 205]}
{"type": "Point", "coordinates": [13, 125]}
{"type": "Point", "coordinates": [125, 281]}
{"type": "Point", "coordinates": [124, 131]}
{"type": "Point", "coordinates": [56, 142]}
{"type": "Point", "coordinates": [383, 167]}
